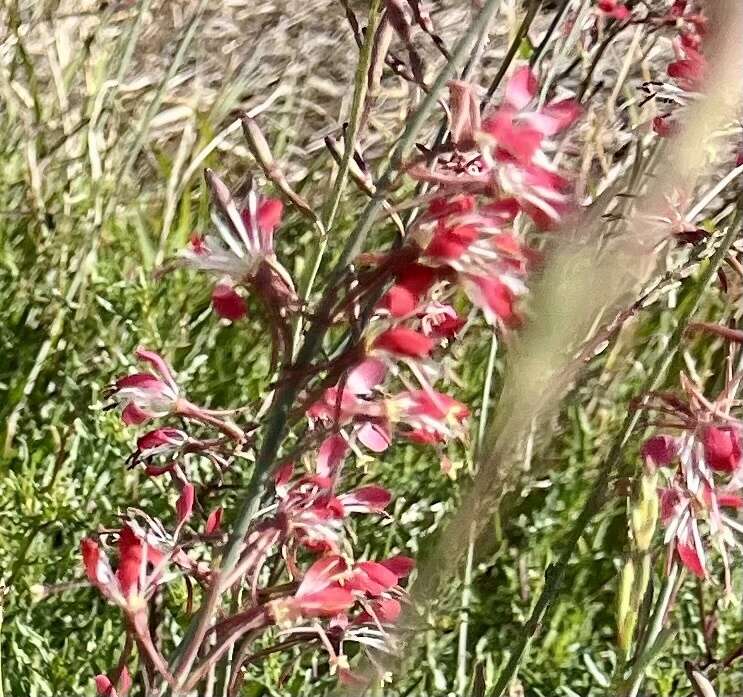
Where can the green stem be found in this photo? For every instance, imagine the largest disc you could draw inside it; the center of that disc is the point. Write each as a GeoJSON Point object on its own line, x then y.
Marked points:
{"type": "Point", "coordinates": [531, 12]}
{"type": "Point", "coordinates": [556, 572]}
{"type": "Point", "coordinates": [361, 83]}
{"type": "Point", "coordinates": [648, 652]}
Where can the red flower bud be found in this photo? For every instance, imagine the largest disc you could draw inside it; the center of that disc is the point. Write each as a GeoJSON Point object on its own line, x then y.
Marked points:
{"type": "Point", "coordinates": [184, 505]}
{"type": "Point", "coordinates": [722, 449]}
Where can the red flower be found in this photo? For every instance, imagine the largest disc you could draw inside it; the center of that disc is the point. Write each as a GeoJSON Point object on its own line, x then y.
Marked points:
{"type": "Point", "coordinates": [401, 341]}
{"type": "Point", "coordinates": [722, 448]}
{"type": "Point", "coordinates": [227, 303]}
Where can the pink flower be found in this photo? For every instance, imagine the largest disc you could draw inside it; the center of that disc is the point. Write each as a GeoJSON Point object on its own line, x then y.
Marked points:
{"type": "Point", "coordinates": [146, 396]}
{"type": "Point", "coordinates": [489, 262]}
{"type": "Point", "coordinates": [520, 131]}
{"type": "Point", "coordinates": [514, 139]}
{"type": "Point", "coordinates": [244, 239]}
{"type": "Point", "coordinates": [130, 581]}
{"type": "Point", "coordinates": [320, 594]}
{"type": "Point", "coordinates": [722, 448]}
{"type": "Point", "coordinates": [242, 251]}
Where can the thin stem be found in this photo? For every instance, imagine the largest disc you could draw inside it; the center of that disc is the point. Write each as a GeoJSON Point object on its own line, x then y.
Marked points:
{"type": "Point", "coordinates": [659, 615]}
{"type": "Point", "coordinates": [535, 56]}
{"type": "Point", "coordinates": [464, 616]}
{"type": "Point", "coordinates": [555, 574]}
{"type": "Point", "coordinates": [355, 117]}
{"type": "Point", "coordinates": [531, 12]}
{"type": "Point", "coordinates": [361, 83]}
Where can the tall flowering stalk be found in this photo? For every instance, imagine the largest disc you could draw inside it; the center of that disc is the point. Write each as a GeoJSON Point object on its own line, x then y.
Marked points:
{"type": "Point", "coordinates": [286, 561]}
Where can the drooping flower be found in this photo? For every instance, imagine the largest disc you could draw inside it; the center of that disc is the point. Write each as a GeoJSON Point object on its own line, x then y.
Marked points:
{"type": "Point", "coordinates": [146, 396]}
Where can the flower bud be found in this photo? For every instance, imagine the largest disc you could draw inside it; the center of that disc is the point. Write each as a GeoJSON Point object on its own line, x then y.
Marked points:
{"type": "Point", "coordinates": [626, 613]}
{"type": "Point", "coordinates": [644, 514]}
{"type": "Point", "coordinates": [184, 505]}
{"type": "Point", "coordinates": [722, 450]}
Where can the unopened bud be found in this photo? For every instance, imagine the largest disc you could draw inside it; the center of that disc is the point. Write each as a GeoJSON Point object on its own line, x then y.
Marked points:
{"type": "Point", "coordinates": [644, 515]}
{"type": "Point", "coordinates": [626, 612]}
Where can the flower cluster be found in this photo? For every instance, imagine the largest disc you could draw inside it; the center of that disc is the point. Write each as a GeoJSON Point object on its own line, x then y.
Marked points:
{"type": "Point", "coordinates": [295, 564]}
{"type": "Point", "coordinates": [703, 470]}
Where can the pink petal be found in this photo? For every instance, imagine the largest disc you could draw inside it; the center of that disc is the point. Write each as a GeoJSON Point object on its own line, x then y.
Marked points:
{"type": "Point", "coordinates": [91, 559]}
{"type": "Point", "coordinates": [366, 376]}
{"type": "Point", "coordinates": [130, 560]}
{"type": "Point", "coordinates": [521, 88]}
{"type": "Point", "coordinates": [132, 415]}
{"type": "Point", "coordinates": [157, 362]}
{"type": "Point", "coordinates": [372, 578]}
{"type": "Point", "coordinates": [406, 342]}
{"type": "Point", "coordinates": [214, 521]}
{"type": "Point", "coordinates": [144, 381]}
{"type": "Point", "coordinates": [554, 117]}
{"type": "Point", "coordinates": [325, 603]}
{"type": "Point", "coordinates": [366, 499]}
{"type": "Point", "coordinates": [321, 574]}
{"type": "Point", "coordinates": [399, 565]}
{"type": "Point", "coordinates": [184, 505]}
{"type": "Point", "coordinates": [160, 437]}
{"type": "Point", "coordinates": [399, 301]}
{"type": "Point", "coordinates": [270, 212]}
{"type": "Point", "coordinates": [284, 474]}
{"type": "Point", "coordinates": [104, 687]}
{"type": "Point", "coordinates": [374, 436]}
{"type": "Point", "coordinates": [690, 559]}
{"type": "Point", "coordinates": [331, 455]}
